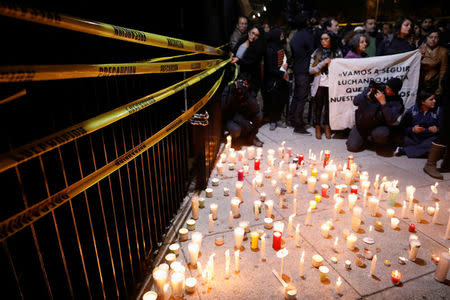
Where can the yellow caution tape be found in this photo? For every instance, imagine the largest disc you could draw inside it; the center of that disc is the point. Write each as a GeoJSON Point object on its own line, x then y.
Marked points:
{"type": "Point", "coordinates": [103, 29]}
{"type": "Point", "coordinates": [38, 147]}
{"type": "Point", "coordinates": [57, 72]}
{"type": "Point", "coordinates": [33, 213]}
{"type": "Point", "coordinates": [14, 97]}
{"type": "Point", "coordinates": [178, 56]}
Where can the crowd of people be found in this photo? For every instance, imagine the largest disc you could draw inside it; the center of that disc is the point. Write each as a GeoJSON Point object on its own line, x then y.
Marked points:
{"type": "Point", "coordinates": [288, 70]}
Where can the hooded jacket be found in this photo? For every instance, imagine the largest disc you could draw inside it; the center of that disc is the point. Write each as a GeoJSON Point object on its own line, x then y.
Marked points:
{"type": "Point", "coordinates": [274, 59]}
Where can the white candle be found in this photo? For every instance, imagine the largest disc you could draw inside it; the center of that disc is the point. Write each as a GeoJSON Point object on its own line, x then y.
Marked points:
{"type": "Point", "coordinates": [295, 190]}
{"type": "Point", "coordinates": [209, 192]}
{"type": "Point", "coordinates": [282, 254]}
{"type": "Point", "coordinates": [351, 201]}
{"type": "Point", "coordinates": [251, 152]}
{"type": "Point", "coordinates": [394, 223]}
{"type": "Point", "coordinates": [213, 210]}
{"type": "Point", "coordinates": [335, 245]}
{"type": "Point", "coordinates": [302, 263]}
{"type": "Point", "coordinates": [348, 177]}
{"type": "Point", "coordinates": [263, 247]}
{"type": "Point", "coordinates": [373, 264]}
{"type": "Point", "coordinates": [227, 264]}
{"type": "Point", "coordinates": [195, 206]}
{"type": "Point", "coordinates": [418, 212]}
{"type": "Point", "coordinates": [373, 206]}
{"type": "Point", "coordinates": [294, 207]}
{"type": "Point", "coordinates": [256, 206]}
{"type": "Point", "coordinates": [447, 231]}
{"type": "Point", "coordinates": [303, 176]}
{"type": "Point", "coordinates": [403, 216]}
{"type": "Point", "coordinates": [338, 285]}
{"type": "Point", "coordinates": [390, 213]}
{"type": "Point", "coordinates": [292, 168]}
{"type": "Point", "coordinates": [356, 222]}
{"type": "Point", "coordinates": [239, 185]}
{"type": "Point", "coordinates": [351, 241]}
{"type": "Point", "coordinates": [190, 282]}
{"type": "Point", "coordinates": [289, 183]}
{"type": "Point", "coordinates": [336, 209]}
{"type": "Point", "coordinates": [259, 151]}
{"type": "Point", "coordinates": [324, 178]}
{"type": "Point", "coordinates": [160, 278]}
{"type": "Point", "coordinates": [308, 217]}
{"type": "Point", "coordinates": [235, 202]}
{"type": "Point", "coordinates": [177, 283]}
{"type": "Point", "coordinates": [150, 295]}
{"type": "Point", "coordinates": [197, 238]}
{"type": "Point", "coordinates": [280, 152]}
{"type": "Point", "coordinates": [238, 237]}
{"type": "Point", "coordinates": [258, 181]}
{"type": "Point", "coordinates": [443, 266]}
{"type": "Point", "coordinates": [357, 211]}
{"type": "Point", "coordinates": [236, 261]}
{"type": "Point", "coordinates": [269, 206]}
{"type": "Point", "coordinates": [312, 184]}
{"type": "Point", "coordinates": [324, 229]}
{"type": "Point", "coordinates": [211, 223]}
{"type": "Point", "coordinates": [297, 236]}
{"type": "Point", "coordinates": [268, 223]}
{"type": "Point", "coordinates": [193, 253]}
{"type": "Point", "coordinates": [435, 216]}
{"type": "Point", "coordinates": [278, 226]}
{"type": "Point", "coordinates": [410, 190]}
{"type": "Point", "coordinates": [230, 220]}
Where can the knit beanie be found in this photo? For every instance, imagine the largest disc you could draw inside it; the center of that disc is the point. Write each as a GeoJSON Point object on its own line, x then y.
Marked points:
{"type": "Point", "coordinates": [395, 84]}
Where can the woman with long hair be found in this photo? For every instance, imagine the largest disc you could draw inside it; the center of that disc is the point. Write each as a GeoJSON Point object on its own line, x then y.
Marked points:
{"type": "Point", "coordinates": [400, 40]}
{"type": "Point", "coordinates": [358, 45]}
{"type": "Point", "coordinates": [320, 60]}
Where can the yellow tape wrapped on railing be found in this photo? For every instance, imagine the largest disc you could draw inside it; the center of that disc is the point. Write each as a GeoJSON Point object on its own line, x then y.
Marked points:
{"type": "Point", "coordinates": [57, 72]}
{"type": "Point", "coordinates": [38, 147]}
{"type": "Point", "coordinates": [33, 213]}
{"type": "Point", "coordinates": [103, 29]}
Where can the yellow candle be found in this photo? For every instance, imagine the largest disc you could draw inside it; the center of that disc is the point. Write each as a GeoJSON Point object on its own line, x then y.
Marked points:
{"type": "Point", "coordinates": [254, 240]}
{"type": "Point", "coordinates": [317, 198]}
{"type": "Point", "coordinates": [314, 172]}
{"type": "Point", "coordinates": [312, 204]}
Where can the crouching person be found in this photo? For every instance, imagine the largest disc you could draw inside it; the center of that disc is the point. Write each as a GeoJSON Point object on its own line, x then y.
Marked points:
{"type": "Point", "coordinates": [241, 114]}
{"type": "Point", "coordinates": [379, 108]}
{"type": "Point", "coordinates": [422, 123]}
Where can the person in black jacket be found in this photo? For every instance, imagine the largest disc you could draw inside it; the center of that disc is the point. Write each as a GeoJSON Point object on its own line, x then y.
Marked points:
{"type": "Point", "coordinates": [275, 78]}
{"type": "Point", "coordinates": [241, 115]}
{"type": "Point", "coordinates": [399, 41]}
{"type": "Point", "coordinates": [378, 109]}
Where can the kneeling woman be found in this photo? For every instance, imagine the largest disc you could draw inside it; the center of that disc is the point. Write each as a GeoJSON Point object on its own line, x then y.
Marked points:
{"type": "Point", "coordinates": [422, 122]}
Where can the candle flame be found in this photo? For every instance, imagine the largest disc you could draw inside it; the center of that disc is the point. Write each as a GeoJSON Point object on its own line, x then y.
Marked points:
{"type": "Point", "coordinates": [339, 280]}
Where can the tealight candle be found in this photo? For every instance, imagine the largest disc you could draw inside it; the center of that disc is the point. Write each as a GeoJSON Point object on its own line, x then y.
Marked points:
{"type": "Point", "coordinates": [390, 213]}
{"type": "Point", "coordinates": [209, 192]}
{"type": "Point", "coordinates": [323, 273]}
{"type": "Point", "coordinates": [312, 184]}
{"type": "Point", "coordinates": [324, 229]}
{"type": "Point", "coordinates": [190, 283]}
{"type": "Point", "coordinates": [183, 234]}
{"type": "Point", "coordinates": [170, 258]}
{"type": "Point", "coordinates": [238, 237]}
{"type": "Point", "coordinates": [269, 207]}
{"type": "Point", "coordinates": [351, 241]}
{"type": "Point", "coordinates": [215, 181]}
{"type": "Point", "coordinates": [352, 200]}
{"type": "Point", "coordinates": [394, 223]}
{"type": "Point", "coordinates": [190, 224]}
{"type": "Point", "coordinates": [175, 248]}
{"type": "Point", "coordinates": [150, 295]}
{"type": "Point", "coordinates": [317, 260]}
{"type": "Point", "coordinates": [268, 223]}
{"type": "Point", "coordinates": [193, 249]}
{"type": "Point", "coordinates": [213, 210]}
{"type": "Point", "coordinates": [276, 243]}
{"type": "Point", "coordinates": [235, 202]}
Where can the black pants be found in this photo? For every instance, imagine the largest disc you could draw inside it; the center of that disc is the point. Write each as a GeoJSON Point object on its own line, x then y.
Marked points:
{"type": "Point", "coordinates": [299, 99]}
{"type": "Point", "coordinates": [246, 125]}
{"type": "Point", "coordinates": [321, 106]}
{"type": "Point", "coordinates": [356, 142]}
{"type": "Point", "coordinates": [276, 97]}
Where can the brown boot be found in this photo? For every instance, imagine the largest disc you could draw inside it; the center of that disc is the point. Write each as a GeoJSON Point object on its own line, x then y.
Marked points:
{"type": "Point", "coordinates": [327, 131]}
{"type": "Point", "coordinates": [445, 166]}
{"type": "Point", "coordinates": [318, 132]}
{"type": "Point", "coordinates": [435, 154]}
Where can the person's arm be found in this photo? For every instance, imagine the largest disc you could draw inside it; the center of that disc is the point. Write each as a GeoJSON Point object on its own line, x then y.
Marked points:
{"type": "Point", "coordinates": [272, 64]}
{"type": "Point", "coordinates": [407, 121]}
{"type": "Point", "coordinates": [360, 97]}
{"type": "Point", "coordinates": [391, 112]}
{"type": "Point", "coordinates": [315, 69]}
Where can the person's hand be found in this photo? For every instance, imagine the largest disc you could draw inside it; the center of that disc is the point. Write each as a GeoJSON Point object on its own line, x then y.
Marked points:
{"type": "Point", "coordinates": [433, 129]}
{"type": "Point", "coordinates": [380, 97]}
{"type": "Point", "coordinates": [327, 61]}
{"type": "Point", "coordinates": [418, 129]}
{"type": "Point", "coordinates": [285, 66]}
{"type": "Point", "coordinates": [286, 77]}
{"type": "Point", "coordinates": [234, 60]}
{"type": "Point", "coordinates": [422, 52]}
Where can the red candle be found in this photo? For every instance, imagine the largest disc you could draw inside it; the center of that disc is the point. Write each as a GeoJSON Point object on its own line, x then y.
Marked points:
{"type": "Point", "coordinates": [240, 175]}
{"type": "Point", "coordinates": [276, 245]}
{"type": "Point", "coordinates": [257, 163]}
{"type": "Point", "coordinates": [412, 228]}
{"type": "Point", "coordinates": [396, 277]}
{"type": "Point", "coordinates": [289, 151]}
{"type": "Point", "coordinates": [354, 189]}
{"type": "Point", "coordinates": [349, 161]}
{"type": "Point", "coordinates": [324, 190]}
{"type": "Point", "coordinates": [300, 158]}
{"type": "Point", "coordinates": [326, 159]}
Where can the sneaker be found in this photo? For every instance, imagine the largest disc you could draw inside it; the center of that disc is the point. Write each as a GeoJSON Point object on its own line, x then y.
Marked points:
{"type": "Point", "coordinates": [273, 125]}
{"type": "Point", "coordinates": [257, 142]}
{"type": "Point", "coordinates": [281, 124]}
{"type": "Point", "coordinates": [302, 131]}
{"type": "Point", "coordinates": [399, 151]}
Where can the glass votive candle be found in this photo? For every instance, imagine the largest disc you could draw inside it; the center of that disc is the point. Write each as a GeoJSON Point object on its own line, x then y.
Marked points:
{"type": "Point", "coordinates": [351, 241]}
{"type": "Point", "coordinates": [390, 213]}
{"type": "Point", "coordinates": [394, 223]}
{"type": "Point", "coordinates": [324, 190]}
{"type": "Point", "coordinates": [323, 273]}
{"type": "Point", "coordinates": [190, 283]}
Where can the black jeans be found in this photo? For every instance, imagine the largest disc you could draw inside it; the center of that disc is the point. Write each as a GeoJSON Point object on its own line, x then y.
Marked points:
{"type": "Point", "coordinates": [321, 106]}
{"type": "Point", "coordinates": [297, 107]}
{"type": "Point", "coordinates": [275, 98]}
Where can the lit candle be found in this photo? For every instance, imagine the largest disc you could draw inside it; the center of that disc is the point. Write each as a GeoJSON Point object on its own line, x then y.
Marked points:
{"type": "Point", "coordinates": [230, 220]}
{"type": "Point", "coordinates": [410, 190]}
{"type": "Point", "coordinates": [211, 223]}
{"type": "Point", "coordinates": [232, 157]}
{"type": "Point", "coordinates": [447, 231]}
{"type": "Point", "coordinates": [443, 266]}
{"type": "Point", "coordinates": [209, 192]}
{"type": "Point", "coordinates": [373, 264]}
{"type": "Point", "coordinates": [324, 178]}
{"type": "Point", "coordinates": [254, 236]}
{"type": "Point", "coordinates": [197, 238]}
{"type": "Point", "coordinates": [278, 226]}
{"type": "Point", "coordinates": [308, 217]}
{"type": "Point", "coordinates": [280, 152]}
{"type": "Point", "coordinates": [392, 195]}
{"type": "Point", "coordinates": [436, 211]}
{"type": "Point", "coordinates": [236, 261]}
{"type": "Point", "coordinates": [323, 273]}
{"type": "Point", "coordinates": [354, 189]}
{"type": "Point", "coordinates": [257, 164]}
{"type": "Point", "coordinates": [195, 207]}
{"type": "Point", "coordinates": [312, 204]}
{"type": "Point", "coordinates": [290, 226]}
{"type": "Point", "coordinates": [302, 263]}
{"type": "Point", "coordinates": [314, 173]}
{"type": "Point", "coordinates": [292, 168]}
{"type": "Point", "coordinates": [348, 177]}
{"type": "Point", "coordinates": [160, 278]}
{"type": "Point", "coordinates": [390, 213]}
{"type": "Point", "coordinates": [193, 253]}
{"type": "Point", "coordinates": [256, 207]}
{"type": "Point", "coordinates": [259, 179]}
{"type": "Point", "coordinates": [418, 212]}
{"type": "Point", "coordinates": [396, 276]}
{"type": "Point", "coordinates": [213, 210]}
{"type": "Point", "coordinates": [268, 223]}
{"type": "Point", "coordinates": [150, 295]}
{"type": "Point", "coordinates": [356, 223]}
{"type": "Point", "coordinates": [324, 229]}
{"type": "Point", "coordinates": [357, 211]}
{"type": "Point", "coordinates": [373, 206]}
{"type": "Point", "coordinates": [276, 243]}
{"type": "Point", "coordinates": [324, 190]}
{"type": "Point", "coordinates": [338, 285]}
{"type": "Point", "coordinates": [351, 201]}
{"type": "Point", "coordinates": [282, 254]}
{"type": "Point", "coordinates": [238, 237]}
{"type": "Point", "coordinates": [351, 241]}
{"type": "Point", "coordinates": [289, 183]}
{"type": "Point", "coordinates": [303, 176]}
{"type": "Point", "coordinates": [183, 234]}
{"type": "Point", "coordinates": [335, 245]}
{"type": "Point", "coordinates": [190, 282]}
{"type": "Point", "coordinates": [317, 260]}
{"type": "Point", "coordinates": [312, 184]}
{"type": "Point", "coordinates": [235, 202]}
{"type": "Point", "coordinates": [175, 248]}
{"type": "Point", "coordinates": [294, 206]}
{"type": "Point", "coordinates": [269, 206]}
{"type": "Point", "coordinates": [394, 223]}
{"type": "Point", "coordinates": [177, 283]}
{"type": "Point", "coordinates": [403, 216]}
{"type": "Point", "coordinates": [297, 236]}
{"type": "Point", "coordinates": [239, 185]}
{"type": "Point", "coordinates": [414, 246]}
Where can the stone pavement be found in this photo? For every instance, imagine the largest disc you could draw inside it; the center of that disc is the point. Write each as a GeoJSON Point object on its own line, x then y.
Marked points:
{"type": "Point", "coordinates": [255, 279]}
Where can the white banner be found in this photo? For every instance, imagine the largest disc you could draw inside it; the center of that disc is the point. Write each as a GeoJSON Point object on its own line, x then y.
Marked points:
{"type": "Point", "coordinates": [349, 76]}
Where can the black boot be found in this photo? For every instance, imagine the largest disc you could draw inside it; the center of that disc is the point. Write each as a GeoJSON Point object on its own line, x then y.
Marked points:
{"type": "Point", "coordinates": [435, 154]}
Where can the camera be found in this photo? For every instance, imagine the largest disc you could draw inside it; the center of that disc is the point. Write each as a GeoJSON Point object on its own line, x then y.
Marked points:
{"type": "Point", "coordinates": [241, 87]}
{"type": "Point", "coordinates": [377, 85]}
